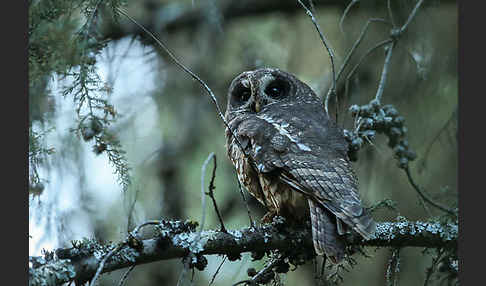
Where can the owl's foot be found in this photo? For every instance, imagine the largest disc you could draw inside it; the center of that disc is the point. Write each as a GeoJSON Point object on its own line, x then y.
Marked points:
{"type": "Point", "coordinates": [268, 217]}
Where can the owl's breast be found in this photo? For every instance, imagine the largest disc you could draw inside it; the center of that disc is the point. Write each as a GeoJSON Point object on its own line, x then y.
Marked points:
{"type": "Point", "coordinates": [282, 199]}
{"type": "Point", "coordinates": [271, 192]}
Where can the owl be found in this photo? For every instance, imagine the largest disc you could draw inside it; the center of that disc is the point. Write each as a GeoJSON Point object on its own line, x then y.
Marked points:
{"type": "Point", "coordinates": [293, 158]}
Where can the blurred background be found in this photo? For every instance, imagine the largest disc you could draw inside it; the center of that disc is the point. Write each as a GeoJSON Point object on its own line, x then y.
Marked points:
{"type": "Point", "coordinates": [168, 125]}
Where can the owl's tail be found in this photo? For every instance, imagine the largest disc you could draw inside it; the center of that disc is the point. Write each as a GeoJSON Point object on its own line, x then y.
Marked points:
{"type": "Point", "coordinates": [325, 234]}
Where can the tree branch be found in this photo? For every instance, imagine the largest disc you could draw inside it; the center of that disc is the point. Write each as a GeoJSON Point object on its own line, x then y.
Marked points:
{"type": "Point", "coordinates": [174, 239]}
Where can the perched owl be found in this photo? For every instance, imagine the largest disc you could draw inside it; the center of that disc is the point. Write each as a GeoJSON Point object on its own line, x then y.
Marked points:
{"type": "Point", "coordinates": [296, 159]}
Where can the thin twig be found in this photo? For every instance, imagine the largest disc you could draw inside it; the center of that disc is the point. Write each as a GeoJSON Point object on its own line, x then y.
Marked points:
{"type": "Point", "coordinates": [183, 274]}
{"type": "Point", "coordinates": [355, 45]}
{"type": "Point", "coordinates": [431, 268]}
{"type": "Point", "coordinates": [411, 16]}
{"type": "Point", "coordinates": [217, 270]}
{"type": "Point", "coordinates": [384, 73]}
{"type": "Point", "coordinates": [437, 136]}
{"type": "Point", "coordinates": [195, 77]}
{"type": "Point", "coordinates": [267, 268]}
{"type": "Point", "coordinates": [252, 224]}
{"type": "Point", "coordinates": [311, 5]}
{"type": "Point", "coordinates": [345, 13]}
{"type": "Point", "coordinates": [134, 233]}
{"type": "Point", "coordinates": [210, 193]}
{"type": "Point", "coordinates": [332, 90]}
{"type": "Point", "coordinates": [393, 267]}
{"type": "Point", "coordinates": [390, 13]}
{"type": "Point", "coordinates": [125, 275]}
{"type": "Point", "coordinates": [424, 196]}
{"type": "Point", "coordinates": [103, 261]}
{"type": "Point", "coordinates": [132, 209]}
{"type": "Point", "coordinates": [261, 273]}
{"type": "Point", "coordinates": [149, 222]}
{"type": "Point", "coordinates": [203, 196]}
{"type": "Point", "coordinates": [361, 60]}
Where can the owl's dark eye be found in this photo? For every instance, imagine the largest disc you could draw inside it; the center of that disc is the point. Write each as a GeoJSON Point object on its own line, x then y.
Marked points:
{"type": "Point", "coordinates": [241, 94]}
{"type": "Point", "coordinates": [277, 89]}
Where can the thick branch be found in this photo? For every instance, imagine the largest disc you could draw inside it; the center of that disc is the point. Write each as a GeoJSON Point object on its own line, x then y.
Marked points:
{"type": "Point", "coordinates": [175, 240]}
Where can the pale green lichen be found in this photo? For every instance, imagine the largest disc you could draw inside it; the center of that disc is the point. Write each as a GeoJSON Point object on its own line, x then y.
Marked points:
{"type": "Point", "coordinates": [389, 231]}
{"type": "Point", "coordinates": [236, 234]}
{"type": "Point", "coordinates": [190, 241]}
{"type": "Point", "coordinates": [45, 273]}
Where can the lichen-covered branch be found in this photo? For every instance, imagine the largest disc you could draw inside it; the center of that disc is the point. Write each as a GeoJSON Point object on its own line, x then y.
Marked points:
{"type": "Point", "coordinates": [174, 239]}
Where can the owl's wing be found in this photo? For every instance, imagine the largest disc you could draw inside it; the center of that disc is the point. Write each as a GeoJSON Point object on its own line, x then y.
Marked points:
{"type": "Point", "coordinates": [308, 152]}
{"type": "Point", "coordinates": [330, 184]}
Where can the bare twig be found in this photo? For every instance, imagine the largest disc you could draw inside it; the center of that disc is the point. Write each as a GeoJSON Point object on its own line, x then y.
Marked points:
{"type": "Point", "coordinates": [217, 270]}
{"type": "Point", "coordinates": [183, 273]}
{"type": "Point", "coordinates": [345, 13]}
{"type": "Point", "coordinates": [135, 231]}
{"type": "Point", "coordinates": [332, 90]}
{"type": "Point", "coordinates": [103, 261]}
{"type": "Point", "coordinates": [210, 193]}
{"type": "Point", "coordinates": [390, 13]}
{"type": "Point", "coordinates": [411, 16]}
{"type": "Point", "coordinates": [384, 73]}
{"type": "Point", "coordinates": [134, 234]}
{"type": "Point", "coordinates": [203, 196]}
{"type": "Point", "coordinates": [255, 279]}
{"type": "Point", "coordinates": [424, 196]}
{"type": "Point", "coordinates": [393, 268]}
{"type": "Point", "coordinates": [356, 44]}
{"type": "Point", "coordinates": [361, 60]}
{"type": "Point", "coordinates": [125, 275]}
{"type": "Point", "coordinates": [431, 268]}
{"type": "Point", "coordinates": [252, 224]}
{"type": "Point", "coordinates": [437, 136]}
{"type": "Point", "coordinates": [132, 209]}
{"type": "Point", "coordinates": [195, 77]}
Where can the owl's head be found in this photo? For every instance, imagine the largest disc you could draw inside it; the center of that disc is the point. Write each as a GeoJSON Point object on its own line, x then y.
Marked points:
{"type": "Point", "coordinates": [252, 91]}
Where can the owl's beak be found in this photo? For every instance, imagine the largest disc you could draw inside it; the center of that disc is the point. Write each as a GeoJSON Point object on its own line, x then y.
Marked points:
{"type": "Point", "coordinates": [257, 106]}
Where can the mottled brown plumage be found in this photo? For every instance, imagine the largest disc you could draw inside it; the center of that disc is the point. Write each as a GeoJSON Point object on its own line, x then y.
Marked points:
{"type": "Point", "coordinates": [296, 157]}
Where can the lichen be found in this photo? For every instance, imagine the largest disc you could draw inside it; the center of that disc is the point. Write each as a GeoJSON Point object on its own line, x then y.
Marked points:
{"type": "Point", "coordinates": [43, 273]}
{"type": "Point", "coordinates": [190, 241]}
{"type": "Point", "coordinates": [236, 234]}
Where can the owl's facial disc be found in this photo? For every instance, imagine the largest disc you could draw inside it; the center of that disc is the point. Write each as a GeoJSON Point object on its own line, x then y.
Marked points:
{"type": "Point", "coordinates": [277, 89]}
{"type": "Point", "coordinates": [241, 93]}
{"type": "Point", "coordinates": [254, 90]}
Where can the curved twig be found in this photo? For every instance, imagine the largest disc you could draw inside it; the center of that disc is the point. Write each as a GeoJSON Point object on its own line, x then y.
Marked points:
{"type": "Point", "coordinates": [103, 261]}
{"type": "Point", "coordinates": [210, 193]}
{"type": "Point", "coordinates": [332, 90]}
{"type": "Point", "coordinates": [194, 76]}
{"type": "Point", "coordinates": [135, 231]}
{"type": "Point", "coordinates": [384, 73]}
{"type": "Point", "coordinates": [203, 196]}
{"type": "Point", "coordinates": [390, 13]}
{"type": "Point", "coordinates": [368, 52]}
{"type": "Point", "coordinates": [345, 13]}
{"type": "Point", "coordinates": [411, 16]}
{"type": "Point", "coordinates": [424, 196]}
{"type": "Point", "coordinates": [356, 44]}
{"type": "Point", "coordinates": [217, 270]}
{"type": "Point", "coordinates": [125, 275]}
